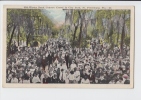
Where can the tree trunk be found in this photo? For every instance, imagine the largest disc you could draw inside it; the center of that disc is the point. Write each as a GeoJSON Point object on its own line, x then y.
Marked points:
{"type": "Point", "coordinates": [18, 36]}
{"type": "Point", "coordinates": [122, 36]}
{"type": "Point", "coordinates": [80, 35]}
{"type": "Point", "coordinates": [111, 32]}
{"type": "Point", "coordinates": [74, 35]}
{"type": "Point", "coordinates": [80, 29]}
{"type": "Point", "coordinates": [27, 39]}
{"type": "Point", "coordinates": [10, 41]}
{"type": "Point", "coordinates": [117, 37]}
{"type": "Point", "coordinates": [117, 32]}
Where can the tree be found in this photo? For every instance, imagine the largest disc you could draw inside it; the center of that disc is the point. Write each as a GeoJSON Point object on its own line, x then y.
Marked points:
{"type": "Point", "coordinates": [115, 23]}
{"type": "Point", "coordinates": [27, 22]}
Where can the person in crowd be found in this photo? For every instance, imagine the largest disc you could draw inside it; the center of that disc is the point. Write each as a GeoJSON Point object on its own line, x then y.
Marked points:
{"type": "Point", "coordinates": [70, 59]}
{"type": "Point", "coordinates": [50, 59]}
{"type": "Point", "coordinates": [71, 77]}
{"type": "Point", "coordinates": [43, 62]}
{"type": "Point", "coordinates": [91, 77]}
{"type": "Point", "coordinates": [57, 62]}
{"type": "Point", "coordinates": [54, 78]}
{"type": "Point", "coordinates": [45, 79]}
{"type": "Point", "coordinates": [36, 79]}
{"type": "Point", "coordinates": [42, 76]}
{"type": "Point", "coordinates": [112, 81]}
{"type": "Point", "coordinates": [67, 59]}
{"type": "Point", "coordinates": [14, 79]}
{"type": "Point", "coordinates": [62, 76]}
{"type": "Point", "coordinates": [120, 81]}
{"type": "Point", "coordinates": [77, 75]}
{"type": "Point", "coordinates": [85, 80]}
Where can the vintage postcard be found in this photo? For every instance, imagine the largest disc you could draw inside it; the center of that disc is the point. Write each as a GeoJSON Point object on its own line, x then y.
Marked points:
{"type": "Point", "coordinates": [68, 46]}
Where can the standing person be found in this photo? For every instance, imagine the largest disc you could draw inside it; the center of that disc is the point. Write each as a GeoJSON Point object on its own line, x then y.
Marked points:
{"type": "Point", "coordinates": [49, 59]}
{"type": "Point", "coordinates": [38, 61]}
{"type": "Point", "coordinates": [73, 66]}
{"type": "Point", "coordinates": [77, 75]}
{"type": "Point", "coordinates": [74, 51]}
{"type": "Point", "coordinates": [67, 59]}
{"type": "Point", "coordinates": [58, 74]}
{"type": "Point", "coordinates": [60, 58]}
{"type": "Point", "coordinates": [42, 76]}
{"type": "Point", "coordinates": [59, 46]}
{"type": "Point", "coordinates": [52, 55]}
{"type": "Point", "coordinates": [67, 76]}
{"type": "Point", "coordinates": [43, 62]}
{"type": "Point", "coordinates": [45, 79]}
{"type": "Point", "coordinates": [55, 59]}
{"type": "Point", "coordinates": [70, 60]}
{"type": "Point", "coordinates": [62, 76]}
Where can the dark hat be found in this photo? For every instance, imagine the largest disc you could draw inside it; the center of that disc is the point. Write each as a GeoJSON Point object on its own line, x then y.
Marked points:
{"type": "Point", "coordinates": [14, 75]}
{"type": "Point", "coordinates": [62, 69]}
{"type": "Point", "coordinates": [72, 72]}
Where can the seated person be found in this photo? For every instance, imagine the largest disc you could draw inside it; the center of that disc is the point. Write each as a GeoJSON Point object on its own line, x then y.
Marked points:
{"type": "Point", "coordinates": [85, 80]}
{"type": "Point", "coordinates": [36, 79]}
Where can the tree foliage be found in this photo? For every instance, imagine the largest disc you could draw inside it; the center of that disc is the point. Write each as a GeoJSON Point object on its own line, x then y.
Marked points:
{"type": "Point", "coordinates": [28, 22]}
{"type": "Point", "coordinates": [113, 26]}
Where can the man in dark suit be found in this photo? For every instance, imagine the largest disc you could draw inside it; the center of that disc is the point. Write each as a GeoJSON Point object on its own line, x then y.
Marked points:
{"type": "Point", "coordinates": [74, 51]}
{"type": "Point", "coordinates": [59, 46]}
{"type": "Point", "coordinates": [54, 79]}
{"type": "Point", "coordinates": [49, 59]}
{"type": "Point", "coordinates": [43, 62]}
{"type": "Point", "coordinates": [91, 77]}
{"type": "Point", "coordinates": [67, 59]}
{"type": "Point", "coordinates": [70, 60]}
{"type": "Point", "coordinates": [38, 61]}
{"type": "Point", "coordinates": [50, 79]}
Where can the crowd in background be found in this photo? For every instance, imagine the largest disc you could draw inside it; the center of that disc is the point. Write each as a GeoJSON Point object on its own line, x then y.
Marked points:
{"type": "Point", "coordinates": [57, 62]}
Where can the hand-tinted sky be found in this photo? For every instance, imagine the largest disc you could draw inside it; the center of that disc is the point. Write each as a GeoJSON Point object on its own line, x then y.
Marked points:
{"type": "Point", "coordinates": [57, 15]}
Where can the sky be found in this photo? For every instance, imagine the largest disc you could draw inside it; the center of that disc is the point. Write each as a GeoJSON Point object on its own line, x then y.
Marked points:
{"type": "Point", "coordinates": [57, 15]}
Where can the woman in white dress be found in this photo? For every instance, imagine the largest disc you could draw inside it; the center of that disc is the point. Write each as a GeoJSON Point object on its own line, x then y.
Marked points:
{"type": "Point", "coordinates": [71, 77]}
{"type": "Point", "coordinates": [77, 75]}
{"type": "Point", "coordinates": [36, 79]}
{"type": "Point", "coordinates": [67, 77]}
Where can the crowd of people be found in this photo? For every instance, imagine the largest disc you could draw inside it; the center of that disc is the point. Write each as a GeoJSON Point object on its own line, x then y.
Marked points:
{"type": "Point", "coordinates": [56, 62]}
